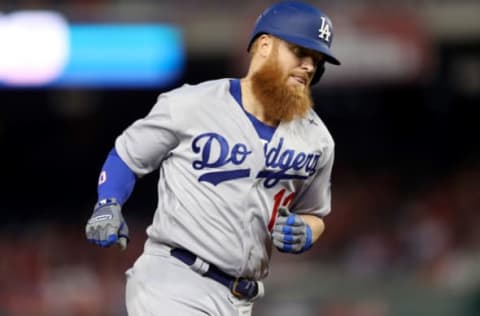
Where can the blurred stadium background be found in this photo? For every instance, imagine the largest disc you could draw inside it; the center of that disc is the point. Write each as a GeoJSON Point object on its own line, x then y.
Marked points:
{"type": "Point", "coordinates": [402, 238]}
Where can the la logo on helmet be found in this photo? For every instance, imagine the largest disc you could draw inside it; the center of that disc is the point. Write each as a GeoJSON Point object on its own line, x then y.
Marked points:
{"type": "Point", "coordinates": [324, 30]}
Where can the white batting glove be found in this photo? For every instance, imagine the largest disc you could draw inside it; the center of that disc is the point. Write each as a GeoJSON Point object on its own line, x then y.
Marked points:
{"type": "Point", "coordinates": [106, 226]}
{"type": "Point", "coordinates": [290, 233]}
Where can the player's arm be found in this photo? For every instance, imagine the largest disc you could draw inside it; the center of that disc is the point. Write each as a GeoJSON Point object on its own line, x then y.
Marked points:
{"type": "Point", "coordinates": [139, 150]}
{"type": "Point", "coordinates": [295, 231]}
{"type": "Point", "coordinates": [107, 226]}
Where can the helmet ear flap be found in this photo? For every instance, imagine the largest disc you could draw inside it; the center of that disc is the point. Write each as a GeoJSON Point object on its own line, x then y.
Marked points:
{"type": "Point", "coordinates": [319, 73]}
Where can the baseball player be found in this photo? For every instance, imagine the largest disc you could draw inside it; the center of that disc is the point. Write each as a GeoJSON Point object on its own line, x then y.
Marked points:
{"type": "Point", "coordinates": [244, 165]}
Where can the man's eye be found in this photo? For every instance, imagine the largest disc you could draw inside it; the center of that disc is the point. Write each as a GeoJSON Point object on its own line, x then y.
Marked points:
{"type": "Point", "coordinates": [297, 51]}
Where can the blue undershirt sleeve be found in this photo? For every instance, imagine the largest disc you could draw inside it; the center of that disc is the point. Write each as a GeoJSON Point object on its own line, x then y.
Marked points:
{"type": "Point", "coordinates": [116, 179]}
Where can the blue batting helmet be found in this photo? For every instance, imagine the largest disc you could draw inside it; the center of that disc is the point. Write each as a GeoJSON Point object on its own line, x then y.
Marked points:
{"type": "Point", "coordinates": [300, 24]}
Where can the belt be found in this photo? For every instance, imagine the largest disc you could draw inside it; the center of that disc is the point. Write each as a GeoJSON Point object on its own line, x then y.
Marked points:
{"type": "Point", "coordinates": [240, 287]}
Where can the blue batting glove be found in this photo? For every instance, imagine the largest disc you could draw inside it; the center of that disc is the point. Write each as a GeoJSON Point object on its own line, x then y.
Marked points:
{"type": "Point", "coordinates": [106, 226]}
{"type": "Point", "coordinates": [290, 233]}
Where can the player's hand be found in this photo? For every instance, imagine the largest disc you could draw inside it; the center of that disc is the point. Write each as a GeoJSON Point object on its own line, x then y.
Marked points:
{"type": "Point", "coordinates": [290, 233]}
{"type": "Point", "coordinates": [106, 226]}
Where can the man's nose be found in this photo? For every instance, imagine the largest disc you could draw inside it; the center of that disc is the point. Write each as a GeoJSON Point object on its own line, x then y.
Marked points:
{"type": "Point", "coordinates": [308, 64]}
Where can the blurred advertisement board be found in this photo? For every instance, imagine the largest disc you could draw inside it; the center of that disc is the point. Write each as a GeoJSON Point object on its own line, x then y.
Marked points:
{"type": "Point", "coordinates": [40, 48]}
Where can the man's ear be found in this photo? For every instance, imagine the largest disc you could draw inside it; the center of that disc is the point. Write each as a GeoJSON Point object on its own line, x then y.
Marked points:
{"type": "Point", "coordinates": [265, 45]}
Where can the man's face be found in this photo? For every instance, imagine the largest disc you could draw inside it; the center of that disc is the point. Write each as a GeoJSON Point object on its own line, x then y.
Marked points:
{"type": "Point", "coordinates": [299, 64]}
{"type": "Point", "coordinates": [282, 84]}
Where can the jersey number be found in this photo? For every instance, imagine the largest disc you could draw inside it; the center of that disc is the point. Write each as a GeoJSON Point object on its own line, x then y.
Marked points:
{"type": "Point", "coordinates": [279, 200]}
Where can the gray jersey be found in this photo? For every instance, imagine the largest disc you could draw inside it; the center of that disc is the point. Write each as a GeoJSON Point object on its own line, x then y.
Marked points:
{"type": "Point", "coordinates": [220, 185]}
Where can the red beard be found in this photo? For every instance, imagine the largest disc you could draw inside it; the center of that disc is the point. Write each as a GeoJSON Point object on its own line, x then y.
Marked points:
{"type": "Point", "coordinates": [280, 102]}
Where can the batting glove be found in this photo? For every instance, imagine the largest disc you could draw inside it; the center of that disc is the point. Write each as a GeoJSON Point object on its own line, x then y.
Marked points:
{"type": "Point", "coordinates": [290, 233]}
{"type": "Point", "coordinates": [106, 226]}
